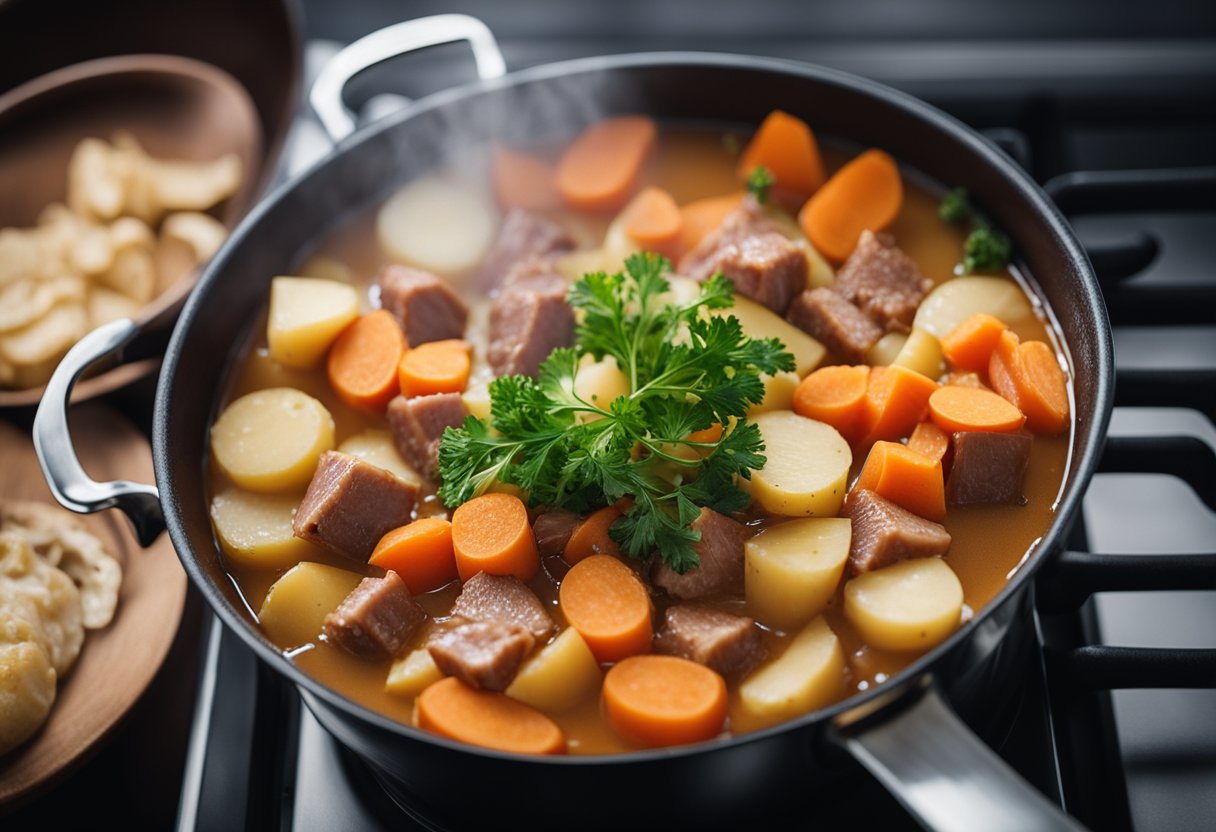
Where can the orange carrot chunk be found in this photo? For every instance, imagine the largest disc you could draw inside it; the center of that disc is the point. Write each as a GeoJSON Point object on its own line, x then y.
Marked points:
{"type": "Point", "coordinates": [896, 398]}
{"type": "Point", "coordinates": [599, 169]}
{"type": "Point", "coordinates": [1001, 364]}
{"type": "Point", "coordinates": [930, 440]}
{"type": "Point", "coordinates": [969, 409]}
{"type": "Point", "coordinates": [363, 361]}
{"type": "Point", "coordinates": [435, 367]}
{"type": "Point", "coordinates": [491, 534]}
{"type": "Point", "coordinates": [835, 395]}
{"type": "Point", "coordinates": [653, 221]}
{"type": "Point", "coordinates": [865, 193]}
{"type": "Point", "coordinates": [702, 216]}
{"type": "Point", "coordinates": [420, 553]}
{"type": "Point", "coordinates": [656, 701]}
{"type": "Point", "coordinates": [523, 181]}
{"type": "Point", "coordinates": [786, 146]}
{"type": "Point", "coordinates": [591, 537]}
{"type": "Point", "coordinates": [1042, 388]}
{"type": "Point", "coordinates": [906, 478]}
{"type": "Point", "coordinates": [455, 710]}
{"type": "Point", "coordinates": [606, 602]}
{"type": "Point", "coordinates": [970, 344]}
{"type": "Point", "coordinates": [710, 435]}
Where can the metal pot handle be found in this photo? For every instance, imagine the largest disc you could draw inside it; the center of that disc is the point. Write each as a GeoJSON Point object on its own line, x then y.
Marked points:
{"type": "Point", "coordinates": [943, 774]}
{"type": "Point", "coordinates": [70, 484]}
{"type": "Point", "coordinates": [389, 42]}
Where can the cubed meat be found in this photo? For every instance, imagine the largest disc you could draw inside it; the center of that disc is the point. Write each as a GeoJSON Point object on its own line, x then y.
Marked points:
{"type": "Point", "coordinates": [483, 654]}
{"type": "Point", "coordinates": [721, 552]}
{"type": "Point", "coordinates": [527, 322]}
{"type": "Point", "coordinates": [729, 644]}
{"type": "Point", "coordinates": [523, 236]}
{"type": "Point", "coordinates": [883, 282]}
{"type": "Point", "coordinates": [377, 620]}
{"type": "Point", "coordinates": [536, 276]}
{"type": "Point", "coordinates": [748, 220]}
{"type": "Point", "coordinates": [424, 305]}
{"type": "Point", "coordinates": [506, 600]}
{"type": "Point", "coordinates": [350, 504]}
{"type": "Point", "coordinates": [552, 530]}
{"type": "Point", "coordinates": [884, 533]}
{"type": "Point", "coordinates": [988, 467]}
{"type": "Point", "coordinates": [837, 324]}
{"type": "Point", "coordinates": [418, 424]}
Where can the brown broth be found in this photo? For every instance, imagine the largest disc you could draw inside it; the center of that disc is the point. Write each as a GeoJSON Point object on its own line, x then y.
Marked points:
{"type": "Point", "coordinates": [989, 542]}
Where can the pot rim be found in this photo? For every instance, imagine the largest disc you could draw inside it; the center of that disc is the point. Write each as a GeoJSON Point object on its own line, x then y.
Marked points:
{"type": "Point", "coordinates": [1083, 461]}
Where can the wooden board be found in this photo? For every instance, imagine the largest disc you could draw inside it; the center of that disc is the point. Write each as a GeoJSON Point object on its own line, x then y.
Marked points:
{"type": "Point", "coordinates": [116, 663]}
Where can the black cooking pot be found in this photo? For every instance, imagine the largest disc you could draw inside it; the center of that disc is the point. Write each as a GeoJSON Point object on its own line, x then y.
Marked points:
{"type": "Point", "coordinates": [905, 731]}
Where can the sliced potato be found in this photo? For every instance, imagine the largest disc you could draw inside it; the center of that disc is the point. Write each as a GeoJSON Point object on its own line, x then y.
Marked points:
{"type": "Point", "coordinates": [255, 529]}
{"type": "Point", "coordinates": [437, 224]}
{"type": "Point", "coordinates": [297, 603]}
{"type": "Point", "coordinates": [306, 315]}
{"type": "Point", "coordinates": [617, 246]}
{"type": "Point", "coordinates": [886, 349]}
{"type": "Point", "coordinates": [327, 268]}
{"type": "Point", "coordinates": [959, 298]}
{"type": "Point", "coordinates": [563, 674]}
{"type": "Point", "coordinates": [412, 673]}
{"type": "Point", "coordinates": [599, 383]}
{"type": "Point", "coordinates": [778, 393]}
{"type": "Point", "coordinates": [761, 322]}
{"type": "Point", "coordinates": [808, 675]}
{"type": "Point", "coordinates": [378, 448]}
{"type": "Point", "coordinates": [270, 440]}
{"type": "Point", "coordinates": [922, 352]}
{"type": "Point", "coordinates": [476, 398]}
{"type": "Point", "coordinates": [792, 570]}
{"type": "Point", "coordinates": [573, 265]}
{"type": "Point", "coordinates": [907, 606]}
{"type": "Point", "coordinates": [807, 468]}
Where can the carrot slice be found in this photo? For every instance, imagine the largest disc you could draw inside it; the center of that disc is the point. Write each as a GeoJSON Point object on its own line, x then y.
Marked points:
{"type": "Point", "coordinates": [653, 221]}
{"type": "Point", "coordinates": [363, 361]}
{"type": "Point", "coordinates": [835, 395]}
{"type": "Point", "coordinates": [965, 379]}
{"type": "Point", "coordinates": [656, 701]}
{"type": "Point", "coordinates": [600, 168]}
{"type": "Point", "coordinates": [865, 193]}
{"type": "Point", "coordinates": [711, 434]}
{"type": "Point", "coordinates": [491, 534]}
{"type": "Point", "coordinates": [905, 477]}
{"type": "Point", "coordinates": [420, 553]}
{"type": "Point", "coordinates": [523, 181]}
{"type": "Point", "coordinates": [1042, 388]}
{"type": "Point", "coordinates": [455, 710]}
{"type": "Point", "coordinates": [591, 537]}
{"type": "Point", "coordinates": [931, 441]}
{"type": "Point", "coordinates": [970, 344]}
{"type": "Point", "coordinates": [896, 398]}
{"type": "Point", "coordinates": [604, 600]}
{"type": "Point", "coordinates": [966, 408]}
{"type": "Point", "coordinates": [786, 146]}
{"type": "Point", "coordinates": [702, 216]}
{"type": "Point", "coordinates": [435, 367]}
{"type": "Point", "coordinates": [1000, 366]}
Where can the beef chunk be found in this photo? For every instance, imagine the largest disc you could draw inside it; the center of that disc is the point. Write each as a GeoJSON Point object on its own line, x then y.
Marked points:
{"type": "Point", "coordinates": [350, 504]}
{"type": "Point", "coordinates": [523, 236]}
{"type": "Point", "coordinates": [418, 424]}
{"type": "Point", "coordinates": [503, 599]}
{"type": "Point", "coordinates": [729, 644]}
{"type": "Point", "coordinates": [884, 533]}
{"type": "Point", "coordinates": [377, 620]}
{"type": "Point", "coordinates": [748, 220]}
{"type": "Point", "coordinates": [839, 325]}
{"type": "Point", "coordinates": [883, 282]}
{"type": "Point", "coordinates": [988, 467]}
{"type": "Point", "coordinates": [528, 321]}
{"type": "Point", "coordinates": [425, 306]}
{"type": "Point", "coordinates": [552, 530]}
{"type": "Point", "coordinates": [721, 552]}
{"type": "Point", "coordinates": [484, 654]}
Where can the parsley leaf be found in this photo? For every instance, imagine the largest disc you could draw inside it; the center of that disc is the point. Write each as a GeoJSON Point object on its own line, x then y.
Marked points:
{"type": "Point", "coordinates": [759, 181]}
{"type": "Point", "coordinates": [986, 248]}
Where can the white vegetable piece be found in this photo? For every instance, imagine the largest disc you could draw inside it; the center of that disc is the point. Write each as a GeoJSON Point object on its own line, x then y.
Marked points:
{"type": "Point", "coordinates": [599, 383]}
{"type": "Point", "coordinates": [378, 448]}
{"type": "Point", "coordinates": [907, 606]}
{"type": "Point", "coordinates": [886, 349]}
{"type": "Point", "coordinates": [412, 674]}
{"type": "Point", "coordinates": [255, 529]}
{"type": "Point", "coordinates": [922, 352]}
{"type": "Point", "coordinates": [959, 298]}
{"type": "Point", "coordinates": [437, 224]}
{"type": "Point", "coordinates": [270, 440]}
{"type": "Point", "coordinates": [307, 314]}
{"type": "Point", "coordinates": [761, 322]}
{"type": "Point", "coordinates": [808, 675]}
{"type": "Point", "coordinates": [563, 674]}
{"type": "Point", "coordinates": [792, 569]}
{"type": "Point", "coordinates": [297, 603]}
{"type": "Point", "coordinates": [778, 393]}
{"type": "Point", "coordinates": [807, 468]}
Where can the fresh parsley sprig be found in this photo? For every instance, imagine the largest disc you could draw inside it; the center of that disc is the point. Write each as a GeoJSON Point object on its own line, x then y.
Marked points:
{"type": "Point", "coordinates": [687, 370]}
{"type": "Point", "coordinates": [986, 248]}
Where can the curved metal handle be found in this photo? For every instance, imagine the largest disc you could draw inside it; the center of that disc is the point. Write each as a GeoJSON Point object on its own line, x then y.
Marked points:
{"type": "Point", "coordinates": [72, 486]}
{"type": "Point", "coordinates": [945, 776]}
{"type": "Point", "coordinates": [389, 42]}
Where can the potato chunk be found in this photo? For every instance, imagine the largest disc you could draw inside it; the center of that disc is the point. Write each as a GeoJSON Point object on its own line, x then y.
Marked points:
{"type": "Point", "coordinates": [306, 315]}
{"type": "Point", "coordinates": [378, 448]}
{"type": "Point", "coordinates": [778, 393]}
{"type": "Point", "coordinates": [908, 606]}
{"type": "Point", "coordinates": [412, 674]}
{"type": "Point", "coordinates": [759, 321]}
{"type": "Point", "coordinates": [599, 383]}
{"type": "Point", "coordinates": [922, 352]}
{"type": "Point", "coordinates": [297, 603]}
{"type": "Point", "coordinates": [270, 440]}
{"type": "Point", "coordinates": [438, 225]}
{"type": "Point", "coordinates": [959, 298]}
{"type": "Point", "coordinates": [792, 570]}
{"type": "Point", "coordinates": [807, 468]}
{"type": "Point", "coordinates": [255, 529]}
{"type": "Point", "coordinates": [560, 676]}
{"type": "Point", "coordinates": [808, 675]}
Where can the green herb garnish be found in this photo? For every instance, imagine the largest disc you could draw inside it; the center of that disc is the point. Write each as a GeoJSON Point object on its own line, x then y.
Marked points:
{"type": "Point", "coordinates": [686, 370]}
{"type": "Point", "coordinates": [955, 207]}
{"type": "Point", "coordinates": [758, 183]}
{"type": "Point", "coordinates": [986, 248]}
